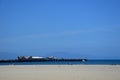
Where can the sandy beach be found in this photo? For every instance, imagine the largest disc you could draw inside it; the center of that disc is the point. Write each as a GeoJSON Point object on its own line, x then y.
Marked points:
{"type": "Point", "coordinates": [60, 72]}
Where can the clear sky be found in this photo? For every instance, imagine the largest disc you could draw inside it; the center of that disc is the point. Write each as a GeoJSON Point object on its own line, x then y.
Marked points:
{"type": "Point", "coordinates": [64, 28]}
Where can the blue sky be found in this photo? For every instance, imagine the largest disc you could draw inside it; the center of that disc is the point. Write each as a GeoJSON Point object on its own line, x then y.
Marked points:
{"type": "Point", "coordinates": [64, 28]}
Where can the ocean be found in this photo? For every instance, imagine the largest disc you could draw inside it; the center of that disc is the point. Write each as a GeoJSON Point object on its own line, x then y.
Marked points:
{"type": "Point", "coordinates": [89, 62]}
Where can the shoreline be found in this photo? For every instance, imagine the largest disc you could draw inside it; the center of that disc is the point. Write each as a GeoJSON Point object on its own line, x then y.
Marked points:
{"type": "Point", "coordinates": [62, 65]}
{"type": "Point", "coordinates": [60, 72]}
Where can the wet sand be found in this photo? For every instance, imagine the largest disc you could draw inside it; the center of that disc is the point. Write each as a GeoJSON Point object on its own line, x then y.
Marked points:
{"type": "Point", "coordinates": [60, 72]}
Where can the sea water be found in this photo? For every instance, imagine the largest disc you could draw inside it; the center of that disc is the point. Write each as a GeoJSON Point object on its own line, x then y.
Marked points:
{"type": "Point", "coordinates": [89, 62]}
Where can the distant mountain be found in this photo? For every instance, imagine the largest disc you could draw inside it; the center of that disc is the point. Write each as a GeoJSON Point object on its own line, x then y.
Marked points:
{"type": "Point", "coordinates": [66, 55]}
{"type": "Point", "coordinates": [6, 55]}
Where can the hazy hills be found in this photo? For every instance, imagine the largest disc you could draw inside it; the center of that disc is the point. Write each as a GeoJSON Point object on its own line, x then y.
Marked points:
{"type": "Point", "coordinates": [6, 55]}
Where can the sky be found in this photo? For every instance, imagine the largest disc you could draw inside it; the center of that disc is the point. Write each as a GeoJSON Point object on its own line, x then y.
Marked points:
{"type": "Point", "coordinates": [62, 28]}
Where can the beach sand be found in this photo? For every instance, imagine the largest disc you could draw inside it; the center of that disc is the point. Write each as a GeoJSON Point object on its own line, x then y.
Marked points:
{"type": "Point", "coordinates": [60, 72]}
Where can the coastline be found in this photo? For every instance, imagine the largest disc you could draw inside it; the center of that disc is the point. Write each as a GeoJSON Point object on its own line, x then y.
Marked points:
{"type": "Point", "coordinates": [59, 72]}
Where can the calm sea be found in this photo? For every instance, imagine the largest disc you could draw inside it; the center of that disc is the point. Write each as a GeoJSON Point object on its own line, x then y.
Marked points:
{"type": "Point", "coordinates": [89, 62]}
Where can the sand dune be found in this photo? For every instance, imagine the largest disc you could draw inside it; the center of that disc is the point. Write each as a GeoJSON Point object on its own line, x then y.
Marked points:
{"type": "Point", "coordinates": [60, 72]}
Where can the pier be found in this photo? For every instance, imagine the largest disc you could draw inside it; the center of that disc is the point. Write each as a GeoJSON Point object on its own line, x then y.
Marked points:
{"type": "Point", "coordinates": [39, 59]}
